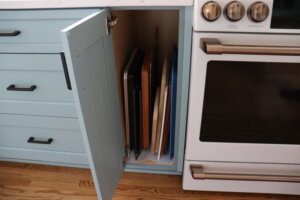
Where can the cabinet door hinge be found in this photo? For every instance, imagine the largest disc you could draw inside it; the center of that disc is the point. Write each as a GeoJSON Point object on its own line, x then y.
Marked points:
{"type": "Point", "coordinates": [110, 23]}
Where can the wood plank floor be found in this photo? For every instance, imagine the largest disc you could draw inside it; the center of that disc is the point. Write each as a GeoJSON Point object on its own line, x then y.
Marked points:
{"type": "Point", "coordinates": [40, 182]}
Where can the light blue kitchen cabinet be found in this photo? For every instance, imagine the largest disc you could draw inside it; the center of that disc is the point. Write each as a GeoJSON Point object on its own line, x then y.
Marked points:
{"type": "Point", "coordinates": [86, 122]}
{"type": "Point", "coordinates": [91, 66]}
{"type": "Point", "coordinates": [35, 104]}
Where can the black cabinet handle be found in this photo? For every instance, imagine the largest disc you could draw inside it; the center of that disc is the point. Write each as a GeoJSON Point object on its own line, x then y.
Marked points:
{"type": "Point", "coordinates": [11, 34]}
{"type": "Point", "coordinates": [33, 140]}
{"type": "Point", "coordinates": [66, 72]}
{"type": "Point", "coordinates": [14, 88]}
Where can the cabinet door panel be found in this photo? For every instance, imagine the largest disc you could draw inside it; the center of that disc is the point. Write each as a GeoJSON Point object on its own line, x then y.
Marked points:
{"type": "Point", "coordinates": [91, 68]}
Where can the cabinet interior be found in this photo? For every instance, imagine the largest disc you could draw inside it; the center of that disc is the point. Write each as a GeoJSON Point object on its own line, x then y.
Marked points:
{"type": "Point", "coordinates": [142, 28]}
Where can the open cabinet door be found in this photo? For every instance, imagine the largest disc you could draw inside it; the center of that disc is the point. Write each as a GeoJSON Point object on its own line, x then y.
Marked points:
{"type": "Point", "coordinates": [90, 61]}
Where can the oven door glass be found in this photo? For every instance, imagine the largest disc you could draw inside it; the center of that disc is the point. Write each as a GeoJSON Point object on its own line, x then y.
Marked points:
{"type": "Point", "coordinates": [286, 14]}
{"type": "Point", "coordinates": [251, 102]}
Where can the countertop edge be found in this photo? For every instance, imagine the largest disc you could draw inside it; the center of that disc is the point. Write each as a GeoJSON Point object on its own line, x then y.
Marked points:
{"type": "Point", "coordinates": [51, 4]}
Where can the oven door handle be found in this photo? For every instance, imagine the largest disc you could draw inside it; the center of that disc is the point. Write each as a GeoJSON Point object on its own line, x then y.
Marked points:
{"type": "Point", "coordinates": [214, 46]}
{"type": "Point", "coordinates": [198, 173]}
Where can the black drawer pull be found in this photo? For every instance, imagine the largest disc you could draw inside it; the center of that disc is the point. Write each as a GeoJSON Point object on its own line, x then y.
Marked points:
{"type": "Point", "coordinates": [11, 34]}
{"type": "Point", "coordinates": [14, 88]}
{"type": "Point", "coordinates": [32, 140]}
{"type": "Point", "coordinates": [65, 68]}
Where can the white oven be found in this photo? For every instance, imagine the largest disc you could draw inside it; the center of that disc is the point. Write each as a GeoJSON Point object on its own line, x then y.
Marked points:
{"type": "Point", "coordinates": [244, 107]}
{"type": "Point", "coordinates": [243, 132]}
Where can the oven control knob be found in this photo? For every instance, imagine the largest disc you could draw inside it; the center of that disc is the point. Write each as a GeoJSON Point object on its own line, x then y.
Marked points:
{"type": "Point", "coordinates": [258, 12]}
{"type": "Point", "coordinates": [235, 11]}
{"type": "Point", "coordinates": [211, 11]}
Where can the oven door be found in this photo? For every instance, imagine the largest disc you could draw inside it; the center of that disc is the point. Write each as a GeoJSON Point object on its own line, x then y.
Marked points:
{"type": "Point", "coordinates": [244, 102]}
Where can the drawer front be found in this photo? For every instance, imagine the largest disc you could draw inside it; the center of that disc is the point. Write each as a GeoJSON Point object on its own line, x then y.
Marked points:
{"type": "Point", "coordinates": [42, 139]}
{"type": "Point", "coordinates": [47, 86]}
{"type": "Point", "coordinates": [59, 123]}
{"type": "Point", "coordinates": [243, 185]}
{"type": "Point", "coordinates": [44, 157]}
{"type": "Point", "coordinates": [50, 109]}
{"type": "Point", "coordinates": [24, 62]}
{"type": "Point", "coordinates": [30, 66]}
{"type": "Point", "coordinates": [35, 31]}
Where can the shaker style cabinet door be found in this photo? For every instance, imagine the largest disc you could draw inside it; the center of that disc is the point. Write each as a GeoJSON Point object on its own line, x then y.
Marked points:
{"type": "Point", "coordinates": [90, 61]}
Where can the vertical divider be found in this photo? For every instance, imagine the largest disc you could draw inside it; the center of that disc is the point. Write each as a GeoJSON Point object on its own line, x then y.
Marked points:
{"type": "Point", "coordinates": [183, 81]}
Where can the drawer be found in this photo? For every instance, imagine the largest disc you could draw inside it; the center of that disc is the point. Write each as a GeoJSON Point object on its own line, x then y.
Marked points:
{"type": "Point", "coordinates": [41, 62]}
{"type": "Point", "coordinates": [44, 157]}
{"type": "Point", "coordinates": [36, 30]}
{"type": "Point", "coordinates": [59, 123]}
{"type": "Point", "coordinates": [39, 108]}
{"type": "Point", "coordinates": [204, 183]}
{"type": "Point", "coordinates": [47, 86]}
{"type": "Point", "coordinates": [34, 64]}
{"type": "Point", "coordinates": [41, 139]}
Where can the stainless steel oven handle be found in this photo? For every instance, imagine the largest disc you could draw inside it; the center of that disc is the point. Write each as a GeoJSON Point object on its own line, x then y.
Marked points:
{"type": "Point", "coordinates": [214, 46]}
{"type": "Point", "coordinates": [198, 173]}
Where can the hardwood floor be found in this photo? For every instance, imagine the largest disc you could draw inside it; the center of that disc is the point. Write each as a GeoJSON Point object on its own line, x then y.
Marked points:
{"type": "Point", "coordinates": [39, 182]}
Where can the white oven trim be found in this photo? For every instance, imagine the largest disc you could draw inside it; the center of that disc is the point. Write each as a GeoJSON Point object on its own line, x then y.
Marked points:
{"type": "Point", "coordinates": [233, 152]}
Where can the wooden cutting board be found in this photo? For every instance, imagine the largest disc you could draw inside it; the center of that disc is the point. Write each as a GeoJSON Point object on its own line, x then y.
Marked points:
{"type": "Point", "coordinates": [146, 92]}
{"type": "Point", "coordinates": [154, 121]}
{"type": "Point", "coordinates": [163, 87]}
